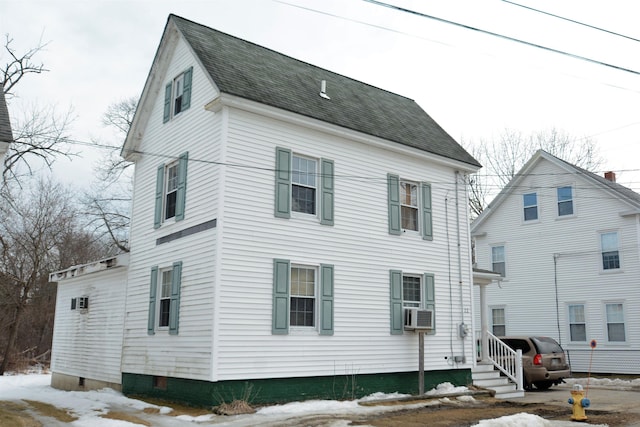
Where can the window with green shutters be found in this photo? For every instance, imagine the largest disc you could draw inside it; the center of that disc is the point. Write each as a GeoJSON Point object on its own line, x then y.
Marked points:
{"type": "Point", "coordinates": [177, 95]}
{"type": "Point", "coordinates": [410, 291]}
{"type": "Point", "coordinates": [304, 185]}
{"type": "Point", "coordinates": [409, 207]}
{"type": "Point", "coordinates": [171, 187]}
{"type": "Point", "coordinates": [164, 299]}
{"type": "Point", "coordinates": [302, 297]}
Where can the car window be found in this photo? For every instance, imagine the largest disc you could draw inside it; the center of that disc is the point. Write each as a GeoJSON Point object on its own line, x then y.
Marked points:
{"type": "Point", "coordinates": [517, 344]}
{"type": "Point", "coordinates": [546, 345]}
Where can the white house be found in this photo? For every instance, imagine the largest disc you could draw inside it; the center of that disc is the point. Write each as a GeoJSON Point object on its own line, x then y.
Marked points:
{"type": "Point", "coordinates": [87, 334]}
{"type": "Point", "coordinates": [566, 242]}
{"type": "Point", "coordinates": [284, 219]}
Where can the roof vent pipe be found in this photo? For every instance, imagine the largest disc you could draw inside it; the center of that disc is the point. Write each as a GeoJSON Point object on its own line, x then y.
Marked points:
{"type": "Point", "coordinates": [323, 89]}
{"type": "Point", "coordinates": [611, 176]}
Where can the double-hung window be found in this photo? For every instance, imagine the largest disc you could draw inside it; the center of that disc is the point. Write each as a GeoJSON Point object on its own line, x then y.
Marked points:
{"type": "Point", "coordinates": [164, 298]}
{"type": "Point", "coordinates": [171, 182]}
{"type": "Point", "coordinates": [409, 207]}
{"type": "Point", "coordinates": [565, 200]}
{"type": "Point", "coordinates": [304, 185]}
{"type": "Point", "coordinates": [410, 291]}
{"type": "Point", "coordinates": [498, 322]}
{"type": "Point", "coordinates": [615, 322]}
{"type": "Point", "coordinates": [577, 323]}
{"type": "Point", "coordinates": [609, 251]}
{"type": "Point", "coordinates": [498, 263]}
{"type": "Point", "coordinates": [302, 298]}
{"type": "Point", "coordinates": [177, 95]}
{"type": "Point", "coordinates": [530, 203]}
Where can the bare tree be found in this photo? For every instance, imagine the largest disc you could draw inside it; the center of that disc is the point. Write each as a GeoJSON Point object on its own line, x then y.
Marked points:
{"type": "Point", "coordinates": [39, 233]}
{"type": "Point", "coordinates": [41, 133]}
{"type": "Point", "coordinates": [108, 202]}
{"type": "Point", "coordinates": [504, 157]}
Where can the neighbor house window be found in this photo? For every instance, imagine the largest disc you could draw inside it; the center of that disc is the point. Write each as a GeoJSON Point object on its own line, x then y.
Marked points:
{"type": "Point", "coordinates": [304, 184]}
{"type": "Point", "coordinates": [530, 202]}
{"type": "Point", "coordinates": [171, 182]}
{"type": "Point", "coordinates": [409, 205]}
{"type": "Point", "coordinates": [565, 201]}
{"type": "Point", "coordinates": [498, 322]}
{"type": "Point", "coordinates": [610, 253]}
{"type": "Point", "coordinates": [303, 296]}
{"type": "Point", "coordinates": [164, 298]}
{"type": "Point", "coordinates": [577, 322]}
{"type": "Point", "coordinates": [498, 264]}
{"type": "Point", "coordinates": [177, 95]}
{"type": "Point", "coordinates": [615, 322]}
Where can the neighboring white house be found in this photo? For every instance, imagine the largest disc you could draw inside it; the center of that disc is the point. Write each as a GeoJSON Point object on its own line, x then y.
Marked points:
{"type": "Point", "coordinates": [284, 219]}
{"type": "Point", "coordinates": [566, 242]}
{"type": "Point", "coordinates": [87, 334]}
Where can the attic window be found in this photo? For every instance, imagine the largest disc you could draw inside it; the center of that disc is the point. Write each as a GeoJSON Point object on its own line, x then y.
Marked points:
{"type": "Point", "coordinates": [177, 95]}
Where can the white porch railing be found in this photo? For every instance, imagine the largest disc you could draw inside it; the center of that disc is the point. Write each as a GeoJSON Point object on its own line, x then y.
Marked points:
{"type": "Point", "coordinates": [505, 359]}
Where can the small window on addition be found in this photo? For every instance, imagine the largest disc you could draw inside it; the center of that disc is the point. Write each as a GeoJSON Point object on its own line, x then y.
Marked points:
{"type": "Point", "coordinates": [80, 381]}
{"type": "Point", "coordinates": [160, 383]}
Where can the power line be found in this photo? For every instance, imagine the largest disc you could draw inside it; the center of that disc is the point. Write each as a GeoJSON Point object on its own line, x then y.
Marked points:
{"type": "Point", "coordinates": [502, 36]}
{"type": "Point", "coordinates": [572, 21]}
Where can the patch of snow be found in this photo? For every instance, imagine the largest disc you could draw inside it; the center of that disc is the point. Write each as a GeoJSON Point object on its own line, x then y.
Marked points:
{"type": "Point", "coordinates": [612, 383]}
{"type": "Point", "coordinates": [518, 420]}
{"type": "Point", "coordinates": [446, 388]}
{"type": "Point", "coordinates": [382, 396]}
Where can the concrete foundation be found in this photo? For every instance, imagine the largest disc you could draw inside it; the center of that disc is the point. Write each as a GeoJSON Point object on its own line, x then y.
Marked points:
{"type": "Point", "coordinates": [75, 383]}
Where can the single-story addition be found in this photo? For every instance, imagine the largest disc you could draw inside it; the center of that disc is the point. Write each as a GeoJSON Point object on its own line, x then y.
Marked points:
{"type": "Point", "coordinates": [291, 228]}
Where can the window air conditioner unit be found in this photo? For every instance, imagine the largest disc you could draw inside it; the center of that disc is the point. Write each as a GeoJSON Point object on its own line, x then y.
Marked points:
{"type": "Point", "coordinates": [418, 319]}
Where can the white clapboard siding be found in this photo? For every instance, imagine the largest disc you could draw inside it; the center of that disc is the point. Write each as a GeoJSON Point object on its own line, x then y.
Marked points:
{"type": "Point", "coordinates": [528, 293]}
{"type": "Point", "coordinates": [358, 246]}
{"type": "Point", "coordinates": [87, 343]}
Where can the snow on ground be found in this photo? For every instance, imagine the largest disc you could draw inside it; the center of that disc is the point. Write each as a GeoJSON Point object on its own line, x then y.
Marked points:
{"type": "Point", "coordinates": [88, 406]}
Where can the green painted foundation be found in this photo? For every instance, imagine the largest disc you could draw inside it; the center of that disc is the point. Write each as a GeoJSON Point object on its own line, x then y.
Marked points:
{"type": "Point", "coordinates": [279, 390]}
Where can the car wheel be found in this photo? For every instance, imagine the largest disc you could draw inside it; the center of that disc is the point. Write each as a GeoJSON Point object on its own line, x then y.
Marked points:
{"type": "Point", "coordinates": [543, 385]}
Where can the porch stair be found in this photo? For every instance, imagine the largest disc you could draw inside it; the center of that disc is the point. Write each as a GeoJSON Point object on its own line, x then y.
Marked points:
{"type": "Point", "coordinates": [484, 375]}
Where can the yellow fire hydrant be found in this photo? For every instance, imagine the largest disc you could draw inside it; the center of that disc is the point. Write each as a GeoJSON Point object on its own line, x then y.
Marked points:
{"type": "Point", "coordinates": [579, 402]}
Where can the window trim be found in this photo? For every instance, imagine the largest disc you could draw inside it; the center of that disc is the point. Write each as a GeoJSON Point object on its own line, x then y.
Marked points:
{"type": "Point", "coordinates": [572, 200]}
{"type": "Point", "coordinates": [624, 322]}
{"type": "Point", "coordinates": [316, 275]}
{"type": "Point", "coordinates": [504, 257]}
{"type": "Point", "coordinates": [394, 205]}
{"type": "Point", "coordinates": [315, 187]}
{"type": "Point", "coordinates": [155, 292]}
{"type": "Point", "coordinates": [170, 95]}
{"type": "Point", "coordinates": [525, 207]}
{"type": "Point", "coordinates": [569, 323]}
{"type": "Point", "coordinates": [396, 299]}
{"type": "Point", "coordinates": [504, 313]}
{"type": "Point", "coordinates": [602, 252]}
{"type": "Point", "coordinates": [161, 193]}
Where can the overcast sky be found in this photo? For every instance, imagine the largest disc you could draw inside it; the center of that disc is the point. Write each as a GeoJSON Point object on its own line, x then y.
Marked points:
{"type": "Point", "coordinates": [473, 84]}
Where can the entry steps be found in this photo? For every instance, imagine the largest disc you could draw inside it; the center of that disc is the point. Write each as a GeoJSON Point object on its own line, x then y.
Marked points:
{"type": "Point", "coordinates": [484, 375]}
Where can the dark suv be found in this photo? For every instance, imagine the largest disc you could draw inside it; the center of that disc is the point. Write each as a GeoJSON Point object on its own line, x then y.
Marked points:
{"type": "Point", "coordinates": [543, 361]}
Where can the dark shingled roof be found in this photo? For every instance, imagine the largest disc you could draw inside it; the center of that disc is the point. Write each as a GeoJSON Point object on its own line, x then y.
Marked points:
{"type": "Point", "coordinates": [5, 124]}
{"type": "Point", "coordinates": [249, 71]}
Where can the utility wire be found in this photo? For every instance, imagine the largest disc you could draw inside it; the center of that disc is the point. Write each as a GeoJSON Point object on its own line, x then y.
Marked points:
{"type": "Point", "coordinates": [572, 20]}
{"type": "Point", "coordinates": [502, 36]}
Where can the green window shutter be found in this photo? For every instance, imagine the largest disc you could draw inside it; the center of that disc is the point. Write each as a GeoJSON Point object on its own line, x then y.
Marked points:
{"type": "Point", "coordinates": [283, 183]}
{"type": "Point", "coordinates": [393, 199]}
{"type": "Point", "coordinates": [157, 215]}
{"type": "Point", "coordinates": [167, 103]}
{"type": "Point", "coordinates": [326, 299]}
{"type": "Point", "coordinates": [181, 191]}
{"type": "Point", "coordinates": [430, 297]}
{"type": "Point", "coordinates": [153, 292]}
{"type": "Point", "coordinates": [186, 91]}
{"type": "Point", "coordinates": [427, 217]}
{"type": "Point", "coordinates": [326, 191]}
{"type": "Point", "coordinates": [280, 318]}
{"type": "Point", "coordinates": [174, 304]}
{"type": "Point", "coordinates": [397, 314]}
